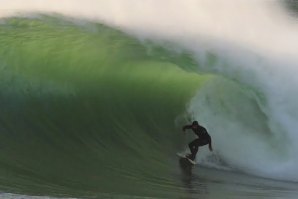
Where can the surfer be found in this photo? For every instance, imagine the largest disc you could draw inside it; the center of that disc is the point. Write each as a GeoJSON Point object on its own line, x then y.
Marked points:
{"type": "Point", "coordinates": [204, 139]}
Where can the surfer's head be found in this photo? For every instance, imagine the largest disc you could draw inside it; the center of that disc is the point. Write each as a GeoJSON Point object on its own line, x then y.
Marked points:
{"type": "Point", "coordinates": [195, 124]}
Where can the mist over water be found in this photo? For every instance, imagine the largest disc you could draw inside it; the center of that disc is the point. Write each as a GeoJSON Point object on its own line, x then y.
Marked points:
{"type": "Point", "coordinates": [250, 106]}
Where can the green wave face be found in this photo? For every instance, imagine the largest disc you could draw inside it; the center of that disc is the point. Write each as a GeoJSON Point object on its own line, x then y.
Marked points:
{"type": "Point", "coordinates": [87, 110]}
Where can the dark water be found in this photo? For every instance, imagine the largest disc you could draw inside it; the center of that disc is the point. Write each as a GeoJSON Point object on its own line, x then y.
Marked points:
{"type": "Point", "coordinates": [202, 182]}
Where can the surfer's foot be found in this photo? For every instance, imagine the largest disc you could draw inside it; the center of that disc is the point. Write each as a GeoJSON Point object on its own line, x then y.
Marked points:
{"type": "Point", "coordinates": [189, 156]}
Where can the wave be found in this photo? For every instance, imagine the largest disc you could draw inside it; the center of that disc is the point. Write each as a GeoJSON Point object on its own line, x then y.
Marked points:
{"type": "Point", "coordinates": [87, 108]}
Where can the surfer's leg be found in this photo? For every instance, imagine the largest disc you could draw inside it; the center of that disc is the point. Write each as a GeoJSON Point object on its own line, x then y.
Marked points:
{"type": "Point", "coordinates": [191, 146]}
{"type": "Point", "coordinates": [194, 147]}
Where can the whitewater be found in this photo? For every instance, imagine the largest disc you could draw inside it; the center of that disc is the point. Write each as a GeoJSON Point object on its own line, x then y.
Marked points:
{"type": "Point", "coordinates": [87, 86]}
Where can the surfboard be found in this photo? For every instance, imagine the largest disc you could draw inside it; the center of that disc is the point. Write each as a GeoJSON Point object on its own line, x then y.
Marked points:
{"type": "Point", "coordinates": [183, 156]}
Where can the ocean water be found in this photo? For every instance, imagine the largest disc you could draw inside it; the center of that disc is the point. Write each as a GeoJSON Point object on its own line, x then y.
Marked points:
{"type": "Point", "coordinates": [93, 96]}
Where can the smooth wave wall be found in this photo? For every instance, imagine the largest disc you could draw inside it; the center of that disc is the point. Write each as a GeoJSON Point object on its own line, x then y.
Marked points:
{"type": "Point", "coordinates": [87, 109]}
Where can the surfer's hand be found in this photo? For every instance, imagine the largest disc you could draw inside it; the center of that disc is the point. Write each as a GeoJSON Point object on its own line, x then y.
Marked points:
{"type": "Point", "coordinates": [210, 148]}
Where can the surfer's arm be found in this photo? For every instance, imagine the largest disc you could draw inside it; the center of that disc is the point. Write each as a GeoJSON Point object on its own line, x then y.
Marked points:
{"type": "Point", "coordinates": [210, 145]}
{"type": "Point", "coordinates": [186, 127]}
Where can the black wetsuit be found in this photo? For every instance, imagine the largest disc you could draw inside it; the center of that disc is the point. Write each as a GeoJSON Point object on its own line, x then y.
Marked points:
{"type": "Point", "coordinates": [204, 138]}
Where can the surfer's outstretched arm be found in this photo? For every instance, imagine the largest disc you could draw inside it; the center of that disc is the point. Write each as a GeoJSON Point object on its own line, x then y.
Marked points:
{"type": "Point", "coordinates": [186, 127]}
